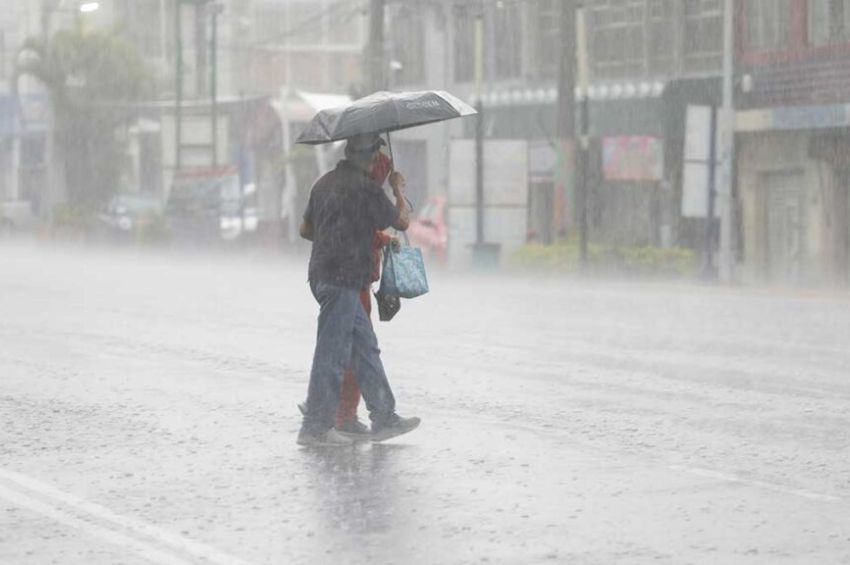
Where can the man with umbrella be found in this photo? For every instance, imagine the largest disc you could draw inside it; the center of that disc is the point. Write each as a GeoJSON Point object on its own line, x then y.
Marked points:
{"type": "Point", "coordinates": [345, 209]}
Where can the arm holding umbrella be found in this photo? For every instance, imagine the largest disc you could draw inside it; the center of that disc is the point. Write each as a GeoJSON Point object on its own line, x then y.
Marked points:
{"type": "Point", "coordinates": [397, 183]}
{"type": "Point", "coordinates": [383, 112]}
{"type": "Point", "coordinates": [382, 170]}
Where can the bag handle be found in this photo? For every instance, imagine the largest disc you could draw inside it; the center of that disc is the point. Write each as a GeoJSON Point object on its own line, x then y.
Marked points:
{"type": "Point", "coordinates": [404, 235]}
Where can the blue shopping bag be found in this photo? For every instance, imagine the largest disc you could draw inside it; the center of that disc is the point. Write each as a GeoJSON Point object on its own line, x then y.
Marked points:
{"type": "Point", "coordinates": [403, 273]}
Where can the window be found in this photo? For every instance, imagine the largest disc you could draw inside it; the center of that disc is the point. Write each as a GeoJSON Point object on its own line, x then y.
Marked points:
{"type": "Point", "coordinates": [308, 23]}
{"type": "Point", "coordinates": [768, 24]}
{"type": "Point", "coordinates": [507, 40]}
{"type": "Point", "coordinates": [464, 44]}
{"type": "Point", "coordinates": [503, 47]}
{"type": "Point", "coordinates": [408, 45]}
{"type": "Point", "coordinates": [616, 32]}
{"type": "Point", "coordinates": [304, 23]}
{"type": "Point", "coordinates": [660, 43]}
{"type": "Point", "coordinates": [547, 40]}
{"type": "Point", "coordinates": [703, 27]}
{"type": "Point", "coordinates": [344, 23]}
{"type": "Point", "coordinates": [829, 21]}
{"type": "Point", "coordinates": [270, 24]}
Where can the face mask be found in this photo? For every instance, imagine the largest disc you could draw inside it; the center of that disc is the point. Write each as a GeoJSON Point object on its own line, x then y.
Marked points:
{"type": "Point", "coordinates": [381, 168]}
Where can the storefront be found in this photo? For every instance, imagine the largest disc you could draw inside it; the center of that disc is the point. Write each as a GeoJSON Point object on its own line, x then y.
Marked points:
{"type": "Point", "coordinates": [627, 199]}
{"type": "Point", "coordinates": [793, 178]}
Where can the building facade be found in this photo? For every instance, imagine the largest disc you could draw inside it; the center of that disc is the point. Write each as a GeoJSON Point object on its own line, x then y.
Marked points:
{"type": "Point", "coordinates": [648, 60]}
{"type": "Point", "coordinates": [794, 140]}
{"type": "Point", "coordinates": [250, 53]}
{"type": "Point", "coordinates": [18, 20]}
{"type": "Point", "coordinates": [309, 45]}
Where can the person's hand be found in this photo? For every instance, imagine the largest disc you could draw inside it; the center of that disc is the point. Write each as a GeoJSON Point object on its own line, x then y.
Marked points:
{"type": "Point", "coordinates": [397, 182]}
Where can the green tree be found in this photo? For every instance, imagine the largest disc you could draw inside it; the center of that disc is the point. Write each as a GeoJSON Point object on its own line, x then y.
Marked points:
{"type": "Point", "coordinates": [94, 80]}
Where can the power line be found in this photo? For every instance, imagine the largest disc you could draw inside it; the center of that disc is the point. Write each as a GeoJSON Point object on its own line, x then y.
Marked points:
{"type": "Point", "coordinates": [302, 27]}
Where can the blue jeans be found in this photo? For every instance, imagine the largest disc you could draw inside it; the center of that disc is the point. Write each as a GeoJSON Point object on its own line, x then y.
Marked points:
{"type": "Point", "coordinates": [345, 339]}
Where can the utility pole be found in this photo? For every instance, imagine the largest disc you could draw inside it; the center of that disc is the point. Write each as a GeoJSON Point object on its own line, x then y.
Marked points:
{"type": "Point", "coordinates": [48, 198]}
{"type": "Point", "coordinates": [709, 272]}
{"type": "Point", "coordinates": [582, 167]}
{"type": "Point", "coordinates": [479, 128]}
{"type": "Point", "coordinates": [178, 84]}
{"type": "Point", "coordinates": [375, 68]}
{"type": "Point", "coordinates": [199, 14]}
{"type": "Point", "coordinates": [566, 125]}
{"type": "Point", "coordinates": [163, 33]}
{"type": "Point", "coordinates": [215, 11]}
{"type": "Point", "coordinates": [727, 257]}
{"type": "Point", "coordinates": [485, 255]}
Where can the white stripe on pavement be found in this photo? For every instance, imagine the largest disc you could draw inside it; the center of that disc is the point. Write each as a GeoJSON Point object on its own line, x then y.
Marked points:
{"type": "Point", "coordinates": [176, 541]}
{"type": "Point", "coordinates": [144, 550]}
{"type": "Point", "coordinates": [708, 473]}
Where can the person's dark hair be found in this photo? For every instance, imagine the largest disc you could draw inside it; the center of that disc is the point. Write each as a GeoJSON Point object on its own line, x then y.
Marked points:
{"type": "Point", "coordinates": [360, 158]}
{"type": "Point", "coordinates": [361, 149]}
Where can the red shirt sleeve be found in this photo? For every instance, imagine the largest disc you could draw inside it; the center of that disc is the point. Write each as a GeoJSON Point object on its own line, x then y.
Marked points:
{"type": "Point", "coordinates": [381, 240]}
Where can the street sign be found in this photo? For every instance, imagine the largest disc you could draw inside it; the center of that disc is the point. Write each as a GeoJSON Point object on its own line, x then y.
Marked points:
{"type": "Point", "coordinates": [695, 180]}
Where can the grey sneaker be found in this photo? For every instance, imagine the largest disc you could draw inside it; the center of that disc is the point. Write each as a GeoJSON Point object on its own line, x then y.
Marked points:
{"type": "Point", "coordinates": [356, 430]}
{"type": "Point", "coordinates": [393, 426]}
{"type": "Point", "coordinates": [330, 438]}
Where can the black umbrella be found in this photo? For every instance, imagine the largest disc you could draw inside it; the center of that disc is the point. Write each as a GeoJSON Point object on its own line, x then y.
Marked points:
{"type": "Point", "coordinates": [384, 112]}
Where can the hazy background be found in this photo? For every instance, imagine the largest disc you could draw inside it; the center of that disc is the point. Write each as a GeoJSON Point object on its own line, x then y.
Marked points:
{"type": "Point", "coordinates": [604, 376]}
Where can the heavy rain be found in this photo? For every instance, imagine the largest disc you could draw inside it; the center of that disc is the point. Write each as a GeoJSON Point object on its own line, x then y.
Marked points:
{"type": "Point", "coordinates": [424, 281]}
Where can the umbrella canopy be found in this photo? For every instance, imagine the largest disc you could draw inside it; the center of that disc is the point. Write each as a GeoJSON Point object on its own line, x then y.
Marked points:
{"type": "Point", "coordinates": [384, 112]}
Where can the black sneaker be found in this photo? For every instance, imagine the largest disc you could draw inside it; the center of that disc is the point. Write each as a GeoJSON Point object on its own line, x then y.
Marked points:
{"type": "Point", "coordinates": [356, 430]}
{"type": "Point", "coordinates": [330, 438]}
{"type": "Point", "coordinates": [393, 426]}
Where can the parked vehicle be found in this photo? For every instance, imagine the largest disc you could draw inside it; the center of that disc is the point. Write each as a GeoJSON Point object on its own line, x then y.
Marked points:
{"type": "Point", "coordinates": [429, 230]}
{"type": "Point", "coordinates": [130, 214]}
{"type": "Point", "coordinates": [210, 204]}
{"type": "Point", "coordinates": [16, 216]}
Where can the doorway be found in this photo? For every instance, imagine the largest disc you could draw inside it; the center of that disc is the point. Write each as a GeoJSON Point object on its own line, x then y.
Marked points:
{"type": "Point", "coordinates": [785, 213]}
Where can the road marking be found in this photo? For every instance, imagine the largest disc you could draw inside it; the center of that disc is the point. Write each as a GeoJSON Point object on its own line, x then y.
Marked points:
{"type": "Point", "coordinates": [176, 541]}
{"type": "Point", "coordinates": [708, 473]}
{"type": "Point", "coordinates": [147, 551]}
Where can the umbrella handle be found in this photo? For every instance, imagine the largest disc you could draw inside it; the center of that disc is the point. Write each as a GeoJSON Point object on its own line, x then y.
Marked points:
{"type": "Point", "coordinates": [392, 166]}
{"type": "Point", "coordinates": [390, 147]}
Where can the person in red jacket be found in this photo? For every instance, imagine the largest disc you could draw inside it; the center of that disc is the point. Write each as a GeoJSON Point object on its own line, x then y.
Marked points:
{"type": "Point", "coordinates": [346, 416]}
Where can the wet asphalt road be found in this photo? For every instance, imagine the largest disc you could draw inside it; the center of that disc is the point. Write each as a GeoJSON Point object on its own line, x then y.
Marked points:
{"type": "Point", "coordinates": [148, 415]}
